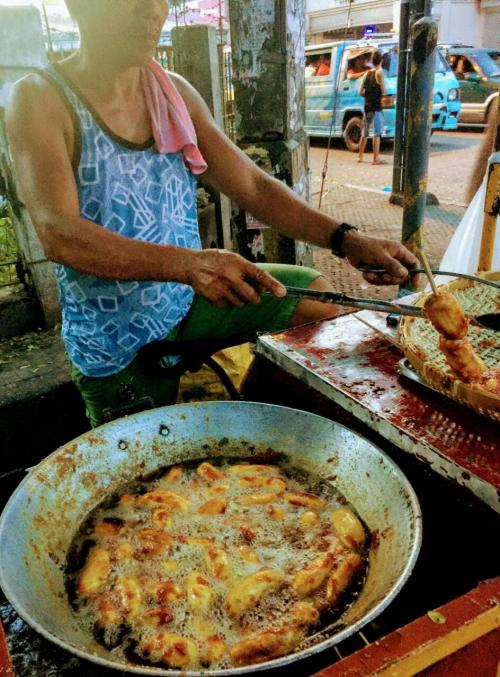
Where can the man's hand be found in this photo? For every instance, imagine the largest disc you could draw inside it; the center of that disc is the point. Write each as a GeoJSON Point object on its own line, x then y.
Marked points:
{"type": "Point", "coordinates": [363, 250]}
{"type": "Point", "coordinates": [227, 279]}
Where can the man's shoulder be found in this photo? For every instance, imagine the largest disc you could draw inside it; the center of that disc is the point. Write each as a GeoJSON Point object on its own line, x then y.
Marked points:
{"type": "Point", "coordinates": [34, 92]}
{"type": "Point", "coordinates": [191, 97]}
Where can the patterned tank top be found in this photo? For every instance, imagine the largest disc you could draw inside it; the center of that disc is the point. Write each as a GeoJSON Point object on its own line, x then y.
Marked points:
{"type": "Point", "coordinates": [132, 190]}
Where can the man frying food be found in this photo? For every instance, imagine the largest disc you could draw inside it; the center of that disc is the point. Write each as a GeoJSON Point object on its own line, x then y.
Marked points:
{"type": "Point", "coordinates": [106, 147]}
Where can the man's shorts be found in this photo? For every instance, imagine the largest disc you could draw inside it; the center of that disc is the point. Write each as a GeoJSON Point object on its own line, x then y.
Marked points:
{"type": "Point", "coordinates": [373, 120]}
{"type": "Point", "coordinates": [138, 386]}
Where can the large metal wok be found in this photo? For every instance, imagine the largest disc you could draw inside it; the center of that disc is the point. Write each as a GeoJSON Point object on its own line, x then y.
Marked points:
{"type": "Point", "coordinates": [44, 513]}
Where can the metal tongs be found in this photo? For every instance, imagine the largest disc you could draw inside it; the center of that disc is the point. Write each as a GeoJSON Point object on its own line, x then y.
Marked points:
{"type": "Point", "coordinates": [486, 320]}
{"type": "Point", "coordinates": [342, 299]}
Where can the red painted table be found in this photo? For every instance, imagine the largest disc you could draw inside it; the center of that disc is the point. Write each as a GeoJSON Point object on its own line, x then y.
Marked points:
{"type": "Point", "coordinates": [461, 640]}
{"type": "Point", "coordinates": [357, 369]}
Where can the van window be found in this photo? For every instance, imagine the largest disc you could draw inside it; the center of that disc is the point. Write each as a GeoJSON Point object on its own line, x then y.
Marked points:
{"type": "Point", "coordinates": [487, 63]}
{"type": "Point", "coordinates": [461, 66]}
{"type": "Point", "coordinates": [318, 64]}
{"type": "Point", "coordinates": [441, 63]}
{"type": "Point", "coordinates": [495, 55]}
{"type": "Point", "coordinates": [391, 57]}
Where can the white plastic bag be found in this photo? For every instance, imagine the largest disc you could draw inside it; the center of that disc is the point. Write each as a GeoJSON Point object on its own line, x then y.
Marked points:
{"type": "Point", "coordinates": [462, 255]}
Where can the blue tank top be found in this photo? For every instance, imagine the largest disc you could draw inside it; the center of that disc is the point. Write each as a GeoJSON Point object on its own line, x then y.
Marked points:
{"type": "Point", "coordinates": [129, 189]}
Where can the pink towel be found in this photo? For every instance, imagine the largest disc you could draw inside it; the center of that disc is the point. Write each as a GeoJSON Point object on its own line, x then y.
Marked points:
{"type": "Point", "coordinates": [173, 129]}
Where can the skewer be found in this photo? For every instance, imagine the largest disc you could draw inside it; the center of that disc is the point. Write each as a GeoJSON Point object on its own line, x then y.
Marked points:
{"type": "Point", "coordinates": [428, 272]}
{"type": "Point", "coordinates": [392, 340]}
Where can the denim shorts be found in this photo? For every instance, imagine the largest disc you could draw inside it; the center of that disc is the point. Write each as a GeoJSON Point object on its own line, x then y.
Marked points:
{"type": "Point", "coordinates": [375, 118]}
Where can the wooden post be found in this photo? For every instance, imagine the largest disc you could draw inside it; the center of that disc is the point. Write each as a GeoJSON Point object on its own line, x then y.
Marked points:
{"type": "Point", "coordinates": [491, 214]}
{"type": "Point", "coordinates": [268, 47]}
{"type": "Point", "coordinates": [196, 58]}
{"type": "Point", "coordinates": [491, 205]}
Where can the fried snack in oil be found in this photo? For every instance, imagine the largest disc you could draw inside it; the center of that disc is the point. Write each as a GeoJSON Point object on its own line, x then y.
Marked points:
{"type": "Point", "coordinates": [173, 650]}
{"type": "Point", "coordinates": [165, 498]}
{"type": "Point", "coordinates": [199, 594]}
{"type": "Point", "coordinates": [462, 359]}
{"type": "Point", "coordinates": [305, 613]}
{"type": "Point", "coordinates": [127, 592]}
{"type": "Point", "coordinates": [209, 472]}
{"type": "Point", "coordinates": [305, 499]}
{"type": "Point", "coordinates": [95, 573]}
{"type": "Point", "coordinates": [342, 576]}
{"type": "Point", "coordinates": [266, 645]}
{"type": "Point", "coordinates": [309, 519]}
{"type": "Point", "coordinates": [158, 617]}
{"type": "Point", "coordinates": [249, 590]}
{"type": "Point", "coordinates": [446, 315]}
{"type": "Point", "coordinates": [172, 476]}
{"type": "Point", "coordinates": [217, 566]}
{"type": "Point", "coordinates": [259, 499]}
{"type": "Point", "coordinates": [247, 469]}
{"type": "Point", "coordinates": [218, 563]}
{"type": "Point", "coordinates": [313, 575]}
{"type": "Point", "coordinates": [348, 528]}
{"type": "Point", "coordinates": [214, 506]}
{"type": "Point", "coordinates": [248, 554]}
{"type": "Point", "coordinates": [271, 484]}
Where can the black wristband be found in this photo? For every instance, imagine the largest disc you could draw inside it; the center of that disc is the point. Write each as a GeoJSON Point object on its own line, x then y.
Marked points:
{"type": "Point", "coordinates": [337, 239]}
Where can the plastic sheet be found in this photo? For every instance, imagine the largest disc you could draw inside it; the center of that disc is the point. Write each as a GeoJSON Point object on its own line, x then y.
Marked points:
{"type": "Point", "coordinates": [462, 254]}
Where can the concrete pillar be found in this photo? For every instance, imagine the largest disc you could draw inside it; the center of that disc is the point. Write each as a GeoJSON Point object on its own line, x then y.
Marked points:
{"type": "Point", "coordinates": [268, 40]}
{"type": "Point", "coordinates": [22, 50]}
{"type": "Point", "coordinates": [196, 59]}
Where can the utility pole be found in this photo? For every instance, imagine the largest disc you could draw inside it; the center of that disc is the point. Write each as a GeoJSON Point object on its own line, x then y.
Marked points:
{"type": "Point", "coordinates": [410, 12]}
{"type": "Point", "coordinates": [401, 105]}
{"type": "Point", "coordinates": [418, 129]}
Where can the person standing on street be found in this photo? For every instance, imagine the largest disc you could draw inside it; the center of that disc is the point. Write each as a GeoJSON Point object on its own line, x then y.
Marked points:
{"type": "Point", "coordinates": [373, 90]}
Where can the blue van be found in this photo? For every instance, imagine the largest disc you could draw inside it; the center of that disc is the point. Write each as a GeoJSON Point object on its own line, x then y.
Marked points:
{"type": "Point", "coordinates": [333, 103]}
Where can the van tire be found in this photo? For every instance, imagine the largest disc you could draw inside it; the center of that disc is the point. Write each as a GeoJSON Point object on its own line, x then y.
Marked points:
{"type": "Point", "coordinates": [352, 133]}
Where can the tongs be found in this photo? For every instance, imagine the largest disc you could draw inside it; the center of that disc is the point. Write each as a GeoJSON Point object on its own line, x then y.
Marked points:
{"type": "Point", "coordinates": [487, 320]}
{"type": "Point", "coordinates": [342, 299]}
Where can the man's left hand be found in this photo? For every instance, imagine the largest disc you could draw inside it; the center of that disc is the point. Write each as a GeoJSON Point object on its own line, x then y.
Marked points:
{"type": "Point", "coordinates": [363, 250]}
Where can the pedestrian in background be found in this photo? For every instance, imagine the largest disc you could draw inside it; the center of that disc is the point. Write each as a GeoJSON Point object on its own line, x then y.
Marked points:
{"type": "Point", "coordinates": [372, 88]}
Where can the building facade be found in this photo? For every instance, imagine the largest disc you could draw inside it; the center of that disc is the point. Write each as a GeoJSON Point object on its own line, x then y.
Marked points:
{"type": "Point", "coordinates": [470, 22]}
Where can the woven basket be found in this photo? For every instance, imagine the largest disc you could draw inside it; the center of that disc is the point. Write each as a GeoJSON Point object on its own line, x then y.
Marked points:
{"type": "Point", "coordinates": [420, 343]}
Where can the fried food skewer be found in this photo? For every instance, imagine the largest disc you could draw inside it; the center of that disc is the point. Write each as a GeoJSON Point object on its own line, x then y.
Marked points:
{"type": "Point", "coordinates": [446, 315]}
{"type": "Point", "coordinates": [462, 359]}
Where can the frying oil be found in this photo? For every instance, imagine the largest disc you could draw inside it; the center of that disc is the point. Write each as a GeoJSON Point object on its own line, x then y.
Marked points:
{"type": "Point", "coordinates": [269, 533]}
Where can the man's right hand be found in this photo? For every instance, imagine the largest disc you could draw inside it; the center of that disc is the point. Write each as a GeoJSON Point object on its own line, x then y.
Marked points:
{"type": "Point", "coordinates": [227, 279]}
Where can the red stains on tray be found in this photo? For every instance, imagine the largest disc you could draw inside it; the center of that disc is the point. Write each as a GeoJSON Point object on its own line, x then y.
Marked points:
{"type": "Point", "coordinates": [360, 364]}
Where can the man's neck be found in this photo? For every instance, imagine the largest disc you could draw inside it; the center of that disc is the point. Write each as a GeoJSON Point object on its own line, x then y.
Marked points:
{"type": "Point", "coordinates": [102, 77]}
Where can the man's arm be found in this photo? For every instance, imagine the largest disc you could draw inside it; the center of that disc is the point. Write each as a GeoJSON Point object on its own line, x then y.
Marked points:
{"type": "Point", "coordinates": [39, 131]}
{"type": "Point", "coordinates": [362, 85]}
{"type": "Point", "coordinates": [230, 171]}
{"type": "Point", "coordinates": [379, 74]}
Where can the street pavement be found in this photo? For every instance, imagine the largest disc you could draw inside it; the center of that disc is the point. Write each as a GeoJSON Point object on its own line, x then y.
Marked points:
{"type": "Point", "coordinates": [359, 194]}
{"type": "Point", "coordinates": [452, 157]}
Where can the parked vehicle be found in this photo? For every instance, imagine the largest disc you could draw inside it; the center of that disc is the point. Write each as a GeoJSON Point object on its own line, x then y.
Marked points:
{"type": "Point", "coordinates": [477, 70]}
{"type": "Point", "coordinates": [334, 97]}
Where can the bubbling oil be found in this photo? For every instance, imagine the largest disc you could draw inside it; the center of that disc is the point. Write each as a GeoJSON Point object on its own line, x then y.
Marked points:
{"type": "Point", "coordinates": [251, 536]}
